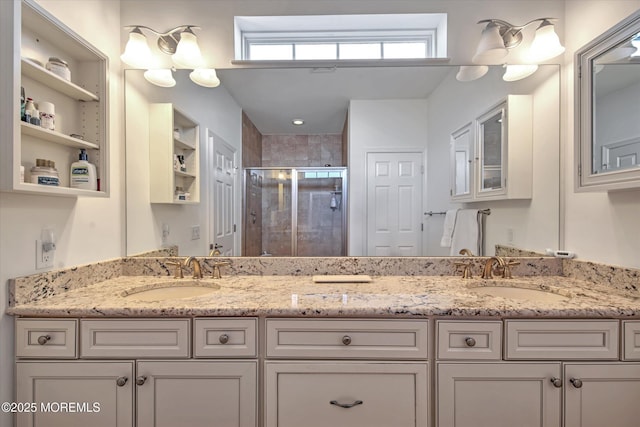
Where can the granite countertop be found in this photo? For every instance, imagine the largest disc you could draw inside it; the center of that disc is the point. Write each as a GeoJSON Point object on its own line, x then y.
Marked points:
{"type": "Point", "coordinates": [384, 296]}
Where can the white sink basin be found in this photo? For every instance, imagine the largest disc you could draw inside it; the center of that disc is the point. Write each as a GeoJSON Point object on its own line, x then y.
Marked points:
{"type": "Point", "coordinates": [518, 293]}
{"type": "Point", "coordinates": [166, 291]}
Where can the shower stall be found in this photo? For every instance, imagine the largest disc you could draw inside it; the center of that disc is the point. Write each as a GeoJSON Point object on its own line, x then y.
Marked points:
{"type": "Point", "coordinates": [295, 211]}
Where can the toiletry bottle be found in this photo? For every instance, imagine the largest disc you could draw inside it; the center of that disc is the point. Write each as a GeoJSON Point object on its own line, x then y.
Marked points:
{"type": "Point", "coordinates": [29, 110]}
{"type": "Point", "coordinates": [23, 104]}
{"type": "Point", "coordinates": [83, 173]}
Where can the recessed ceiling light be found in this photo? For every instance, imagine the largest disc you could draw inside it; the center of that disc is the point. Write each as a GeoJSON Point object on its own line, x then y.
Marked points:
{"type": "Point", "coordinates": [297, 122]}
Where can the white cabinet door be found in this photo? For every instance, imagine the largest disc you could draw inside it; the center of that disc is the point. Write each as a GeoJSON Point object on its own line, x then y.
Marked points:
{"type": "Point", "coordinates": [95, 394]}
{"type": "Point", "coordinates": [346, 394]}
{"type": "Point", "coordinates": [603, 394]}
{"type": "Point", "coordinates": [500, 394]}
{"type": "Point", "coordinates": [197, 393]}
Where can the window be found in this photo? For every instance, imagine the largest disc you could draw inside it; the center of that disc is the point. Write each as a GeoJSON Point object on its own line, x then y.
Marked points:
{"type": "Point", "coordinates": [341, 37]}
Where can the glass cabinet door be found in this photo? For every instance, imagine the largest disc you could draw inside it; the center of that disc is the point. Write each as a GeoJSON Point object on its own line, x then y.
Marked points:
{"type": "Point", "coordinates": [491, 151]}
{"type": "Point", "coordinates": [462, 163]}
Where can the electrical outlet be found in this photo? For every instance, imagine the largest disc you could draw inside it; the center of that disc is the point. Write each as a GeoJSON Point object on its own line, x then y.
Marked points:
{"type": "Point", "coordinates": [165, 233]}
{"type": "Point", "coordinates": [510, 235]}
{"type": "Point", "coordinates": [195, 232]}
{"type": "Point", "coordinates": [44, 258]}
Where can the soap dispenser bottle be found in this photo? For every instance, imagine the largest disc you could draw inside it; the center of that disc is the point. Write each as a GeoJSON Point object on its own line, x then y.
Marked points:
{"type": "Point", "coordinates": [83, 173]}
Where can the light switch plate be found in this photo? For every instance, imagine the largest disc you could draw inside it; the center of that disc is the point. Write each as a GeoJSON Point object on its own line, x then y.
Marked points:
{"type": "Point", "coordinates": [195, 232]}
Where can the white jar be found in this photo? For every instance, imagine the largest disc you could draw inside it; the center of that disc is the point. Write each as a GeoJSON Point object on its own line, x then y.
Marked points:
{"type": "Point", "coordinates": [47, 115]}
{"type": "Point", "coordinates": [45, 173]}
{"type": "Point", "coordinates": [59, 67]}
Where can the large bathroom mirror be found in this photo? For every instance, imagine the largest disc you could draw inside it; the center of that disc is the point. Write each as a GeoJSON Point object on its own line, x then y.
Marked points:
{"type": "Point", "coordinates": [607, 114]}
{"type": "Point", "coordinates": [350, 113]}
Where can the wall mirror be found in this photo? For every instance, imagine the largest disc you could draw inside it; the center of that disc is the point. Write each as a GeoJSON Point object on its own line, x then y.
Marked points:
{"type": "Point", "coordinates": [607, 114]}
{"type": "Point", "coordinates": [323, 96]}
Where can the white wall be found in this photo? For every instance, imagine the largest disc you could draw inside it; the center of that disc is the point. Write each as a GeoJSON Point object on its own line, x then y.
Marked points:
{"type": "Point", "coordinates": [603, 226]}
{"type": "Point", "coordinates": [535, 222]}
{"type": "Point", "coordinates": [212, 108]}
{"type": "Point", "coordinates": [398, 125]}
{"type": "Point", "coordinates": [86, 229]}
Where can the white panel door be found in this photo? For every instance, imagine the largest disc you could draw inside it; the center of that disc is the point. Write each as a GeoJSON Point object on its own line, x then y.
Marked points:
{"type": "Point", "coordinates": [394, 204]}
{"type": "Point", "coordinates": [222, 209]}
{"type": "Point", "coordinates": [197, 394]}
{"type": "Point", "coordinates": [101, 393]}
{"type": "Point", "coordinates": [602, 394]}
{"type": "Point", "coordinates": [500, 394]}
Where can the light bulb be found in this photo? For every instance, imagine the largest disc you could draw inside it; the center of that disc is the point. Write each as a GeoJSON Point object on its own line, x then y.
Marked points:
{"type": "Point", "coordinates": [161, 77]}
{"type": "Point", "coordinates": [546, 43]}
{"type": "Point", "coordinates": [206, 77]}
{"type": "Point", "coordinates": [137, 53]}
{"type": "Point", "coordinates": [187, 52]}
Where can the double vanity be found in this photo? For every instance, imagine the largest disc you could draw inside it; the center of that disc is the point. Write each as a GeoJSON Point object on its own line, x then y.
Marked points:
{"type": "Point", "coordinates": [266, 345]}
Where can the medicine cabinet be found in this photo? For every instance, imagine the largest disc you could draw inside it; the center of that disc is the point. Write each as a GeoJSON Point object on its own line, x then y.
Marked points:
{"type": "Point", "coordinates": [174, 156]}
{"type": "Point", "coordinates": [32, 36]}
{"type": "Point", "coordinates": [607, 89]}
{"type": "Point", "coordinates": [483, 155]}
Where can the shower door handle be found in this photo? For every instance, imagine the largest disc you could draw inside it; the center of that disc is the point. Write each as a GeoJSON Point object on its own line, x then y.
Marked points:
{"type": "Point", "coordinates": [253, 217]}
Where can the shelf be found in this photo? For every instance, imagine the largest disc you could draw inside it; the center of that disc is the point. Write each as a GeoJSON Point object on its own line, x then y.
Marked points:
{"type": "Point", "coordinates": [46, 77]}
{"type": "Point", "coordinates": [183, 145]}
{"type": "Point", "coordinates": [55, 137]}
{"type": "Point", "coordinates": [184, 174]}
{"type": "Point", "coordinates": [26, 187]}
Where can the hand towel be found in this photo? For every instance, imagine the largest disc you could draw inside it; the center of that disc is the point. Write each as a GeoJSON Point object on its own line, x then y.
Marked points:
{"type": "Point", "coordinates": [466, 232]}
{"type": "Point", "coordinates": [449, 223]}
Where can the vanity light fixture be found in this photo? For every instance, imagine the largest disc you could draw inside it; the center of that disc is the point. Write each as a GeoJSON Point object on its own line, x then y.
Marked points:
{"type": "Point", "coordinates": [181, 43]}
{"type": "Point", "coordinates": [499, 36]}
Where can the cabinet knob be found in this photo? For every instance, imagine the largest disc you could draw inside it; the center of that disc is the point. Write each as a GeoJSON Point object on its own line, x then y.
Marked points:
{"type": "Point", "coordinates": [43, 339]}
{"type": "Point", "coordinates": [224, 338]}
{"type": "Point", "coordinates": [121, 381]}
{"type": "Point", "coordinates": [576, 382]}
{"type": "Point", "coordinates": [346, 340]}
{"type": "Point", "coordinates": [141, 380]}
{"type": "Point", "coordinates": [346, 405]}
{"type": "Point", "coordinates": [470, 342]}
{"type": "Point", "coordinates": [557, 382]}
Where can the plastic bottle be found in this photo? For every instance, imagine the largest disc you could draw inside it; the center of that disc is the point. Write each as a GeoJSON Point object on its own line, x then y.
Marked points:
{"type": "Point", "coordinates": [29, 110]}
{"type": "Point", "coordinates": [83, 173]}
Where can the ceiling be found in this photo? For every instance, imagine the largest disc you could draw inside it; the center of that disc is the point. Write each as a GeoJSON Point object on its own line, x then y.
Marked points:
{"type": "Point", "coordinates": [272, 97]}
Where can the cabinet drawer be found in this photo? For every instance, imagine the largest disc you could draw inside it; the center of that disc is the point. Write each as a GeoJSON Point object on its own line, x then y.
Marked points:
{"type": "Point", "coordinates": [224, 338]}
{"type": "Point", "coordinates": [631, 343]}
{"type": "Point", "coordinates": [561, 339]}
{"type": "Point", "coordinates": [345, 339]}
{"type": "Point", "coordinates": [140, 338]}
{"type": "Point", "coordinates": [346, 394]}
{"type": "Point", "coordinates": [51, 338]}
{"type": "Point", "coordinates": [469, 340]}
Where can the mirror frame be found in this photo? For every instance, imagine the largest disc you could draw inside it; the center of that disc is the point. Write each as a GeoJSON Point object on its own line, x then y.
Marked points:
{"type": "Point", "coordinates": [585, 179]}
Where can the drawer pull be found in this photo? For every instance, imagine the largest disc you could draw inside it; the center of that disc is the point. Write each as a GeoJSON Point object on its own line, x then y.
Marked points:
{"type": "Point", "coordinates": [224, 338]}
{"type": "Point", "coordinates": [43, 339]}
{"type": "Point", "coordinates": [346, 340]}
{"type": "Point", "coordinates": [576, 382]}
{"type": "Point", "coordinates": [141, 380]}
{"type": "Point", "coordinates": [470, 342]}
{"type": "Point", "coordinates": [346, 405]}
{"type": "Point", "coordinates": [557, 382]}
{"type": "Point", "coordinates": [121, 381]}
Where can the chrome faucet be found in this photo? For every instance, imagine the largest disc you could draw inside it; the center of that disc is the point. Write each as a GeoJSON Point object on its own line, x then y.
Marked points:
{"type": "Point", "coordinates": [487, 272]}
{"type": "Point", "coordinates": [197, 272]}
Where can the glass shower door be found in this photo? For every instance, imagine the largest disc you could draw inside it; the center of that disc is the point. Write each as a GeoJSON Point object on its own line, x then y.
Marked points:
{"type": "Point", "coordinates": [320, 215]}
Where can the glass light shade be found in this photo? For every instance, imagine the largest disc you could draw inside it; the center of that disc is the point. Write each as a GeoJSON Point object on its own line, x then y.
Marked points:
{"type": "Point", "coordinates": [546, 43]}
{"type": "Point", "coordinates": [137, 53]}
{"type": "Point", "coordinates": [206, 77]}
{"type": "Point", "coordinates": [468, 73]}
{"type": "Point", "coordinates": [518, 72]}
{"type": "Point", "coordinates": [187, 52]}
{"type": "Point", "coordinates": [161, 77]}
{"type": "Point", "coordinates": [491, 49]}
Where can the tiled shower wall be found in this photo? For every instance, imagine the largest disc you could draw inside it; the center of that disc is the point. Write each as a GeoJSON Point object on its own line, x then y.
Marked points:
{"type": "Point", "coordinates": [302, 150]}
